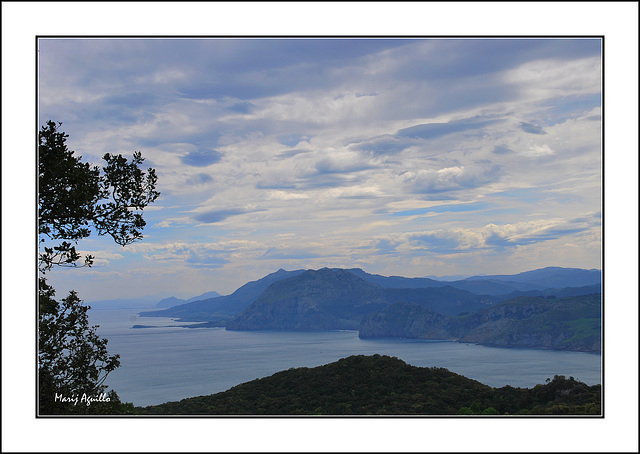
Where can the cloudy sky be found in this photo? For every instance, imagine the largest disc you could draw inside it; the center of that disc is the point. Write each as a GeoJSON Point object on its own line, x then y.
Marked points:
{"type": "Point", "coordinates": [411, 157]}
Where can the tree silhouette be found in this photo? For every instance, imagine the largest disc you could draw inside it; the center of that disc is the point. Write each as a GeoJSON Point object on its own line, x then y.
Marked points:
{"type": "Point", "coordinates": [74, 200]}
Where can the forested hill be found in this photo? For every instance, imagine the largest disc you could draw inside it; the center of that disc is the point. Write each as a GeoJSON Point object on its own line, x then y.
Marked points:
{"type": "Point", "coordinates": [571, 323]}
{"type": "Point", "coordinates": [381, 385]}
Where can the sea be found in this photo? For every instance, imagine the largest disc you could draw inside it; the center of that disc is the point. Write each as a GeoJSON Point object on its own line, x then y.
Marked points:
{"type": "Point", "coordinates": [164, 362]}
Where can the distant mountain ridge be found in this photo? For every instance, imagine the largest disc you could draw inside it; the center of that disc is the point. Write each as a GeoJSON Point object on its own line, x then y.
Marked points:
{"type": "Point", "coordinates": [549, 277]}
{"type": "Point", "coordinates": [173, 301]}
{"type": "Point", "coordinates": [541, 279]}
{"type": "Point", "coordinates": [396, 281]}
{"type": "Point", "coordinates": [222, 307]}
{"type": "Point", "coordinates": [206, 309]}
{"type": "Point", "coordinates": [170, 301]}
{"type": "Point", "coordinates": [335, 298]}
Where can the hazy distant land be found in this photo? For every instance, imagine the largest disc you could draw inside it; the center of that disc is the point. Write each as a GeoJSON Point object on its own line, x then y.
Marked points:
{"type": "Point", "coordinates": [554, 308]}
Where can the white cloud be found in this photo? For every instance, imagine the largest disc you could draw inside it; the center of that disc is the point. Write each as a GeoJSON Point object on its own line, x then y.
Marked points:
{"type": "Point", "coordinates": [544, 79]}
{"type": "Point", "coordinates": [538, 150]}
{"type": "Point", "coordinates": [284, 195]}
{"type": "Point", "coordinates": [493, 236]}
{"type": "Point", "coordinates": [432, 181]}
{"type": "Point", "coordinates": [102, 258]}
{"type": "Point", "coordinates": [255, 144]}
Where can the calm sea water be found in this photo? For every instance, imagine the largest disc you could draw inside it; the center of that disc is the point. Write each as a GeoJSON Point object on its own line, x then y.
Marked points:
{"type": "Point", "coordinates": [169, 363]}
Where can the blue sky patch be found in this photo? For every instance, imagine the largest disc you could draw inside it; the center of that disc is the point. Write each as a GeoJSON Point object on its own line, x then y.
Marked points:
{"type": "Point", "coordinates": [201, 158]}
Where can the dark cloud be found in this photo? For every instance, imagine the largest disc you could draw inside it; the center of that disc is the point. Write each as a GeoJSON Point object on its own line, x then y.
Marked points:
{"type": "Point", "coordinates": [115, 110]}
{"type": "Point", "coordinates": [243, 107]}
{"type": "Point", "coordinates": [434, 130]}
{"type": "Point", "coordinates": [278, 183]}
{"type": "Point", "coordinates": [501, 149]}
{"type": "Point", "coordinates": [531, 128]}
{"type": "Point", "coordinates": [167, 133]}
{"type": "Point", "coordinates": [452, 242]}
{"type": "Point", "coordinates": [455, 58]}
{"type": "Point", "coordinates": [211, 217]}
{"type": "Point", "coordinates": [241, 55]}
{"type": "Point", "coordinates": [151, 70]}
{"type": "Point", "coordinates": [551, 234]}
{"type": "Point", "coordinates": [216, 68]}
{"type": "Point", "coordinates": [500, 242]}
{"type": "Point", "coordinates": [497, 241]}
{"type": "Point", "coordinates": [407, 137]}
{"type": "Point", "coordinates": [201, 157]}
{"type": "Point", "coordinates": [255, 68]}
{"type": "Point", "coordinates": [290, 153]}
{"type": "Point", "coordinates": [457, 207]}
{"type": "Point", "coordinates": [328, 165]}
{"type": "Point", "coordinates": [383, 145]}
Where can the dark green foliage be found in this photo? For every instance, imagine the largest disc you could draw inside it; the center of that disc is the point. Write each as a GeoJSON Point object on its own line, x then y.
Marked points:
{"type": "Point", "coordinates": [380, 385]}
{"type": "Point", "coordinates": [72, 360]}
{"type": "Point", "coordinates": [74, 199]}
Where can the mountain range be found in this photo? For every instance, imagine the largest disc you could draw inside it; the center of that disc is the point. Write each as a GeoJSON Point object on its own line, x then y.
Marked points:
{"type": "Point", "coordinates": [173, 301]}
{"type": "Point", "coordinates": [222, 307]}
{"type": "Point", "coordinates": [395, 306]}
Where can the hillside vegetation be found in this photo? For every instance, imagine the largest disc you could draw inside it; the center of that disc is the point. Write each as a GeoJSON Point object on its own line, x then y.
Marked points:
{"type": "Point", "coordinates": [571, 323]}
{"type": "Point", "coordinates": [381, 385]}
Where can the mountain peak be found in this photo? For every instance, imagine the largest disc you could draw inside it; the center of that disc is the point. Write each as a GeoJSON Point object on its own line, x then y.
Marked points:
{"type": "Point", "coordinates": [315, 299]}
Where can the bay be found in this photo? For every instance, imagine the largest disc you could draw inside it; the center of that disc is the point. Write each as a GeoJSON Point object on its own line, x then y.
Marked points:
{"type": "Point", "coordinates": [164, 362]}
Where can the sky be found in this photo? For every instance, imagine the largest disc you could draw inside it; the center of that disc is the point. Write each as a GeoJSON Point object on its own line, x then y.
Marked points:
{"type": "Point", "coordinates": [412, 157]}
